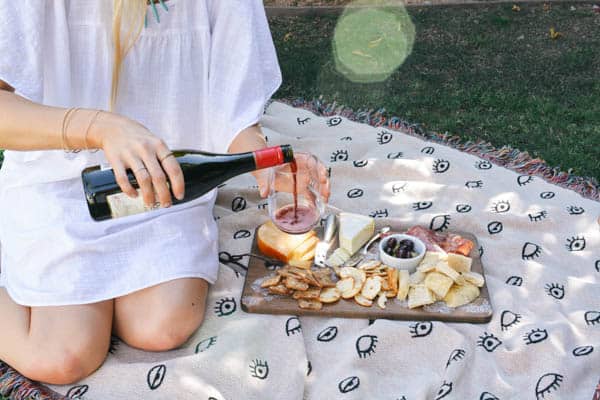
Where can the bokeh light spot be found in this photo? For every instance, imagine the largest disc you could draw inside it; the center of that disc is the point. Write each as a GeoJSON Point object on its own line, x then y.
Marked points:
{"type": "Point", "coordinates": [372, 40]}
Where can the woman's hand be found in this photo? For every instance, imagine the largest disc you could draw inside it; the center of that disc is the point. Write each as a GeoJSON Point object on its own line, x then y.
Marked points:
{"type": "Point", "coordinates": [129, 145]}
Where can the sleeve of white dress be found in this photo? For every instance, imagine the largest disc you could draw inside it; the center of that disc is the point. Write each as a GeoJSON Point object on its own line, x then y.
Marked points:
{"type": "Point", "coordinates": [244, 71]}
{"type": "Point", "coordinates": [21, 46]}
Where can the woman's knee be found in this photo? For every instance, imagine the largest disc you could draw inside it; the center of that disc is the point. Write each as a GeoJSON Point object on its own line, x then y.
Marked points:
{"type": "Point", "coordinates": [164, 330]}
{"type": "Point", "coordinates": [66, 364]}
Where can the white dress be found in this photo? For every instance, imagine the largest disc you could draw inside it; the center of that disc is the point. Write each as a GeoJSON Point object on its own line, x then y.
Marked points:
{"type": "Point", "coordinates": [195, 79]}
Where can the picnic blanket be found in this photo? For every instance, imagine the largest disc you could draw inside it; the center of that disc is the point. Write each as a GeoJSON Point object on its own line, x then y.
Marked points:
{"type": "Point", "coordinates": [540, 244]}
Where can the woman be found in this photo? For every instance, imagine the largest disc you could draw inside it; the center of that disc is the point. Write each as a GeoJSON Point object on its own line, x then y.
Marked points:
{"type": "Point", "coordinates": [196, 76]}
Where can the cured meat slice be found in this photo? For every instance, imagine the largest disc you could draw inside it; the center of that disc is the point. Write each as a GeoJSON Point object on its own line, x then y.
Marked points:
{"type": "Point", "coordinates": [428, 237]}
{"type": "Point", "coordinates": [439, 242]}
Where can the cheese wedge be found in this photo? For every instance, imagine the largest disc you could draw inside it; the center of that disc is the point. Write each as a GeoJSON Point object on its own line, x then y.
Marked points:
{"type": "Point", "coordinates": [420, 295]}
{"type": "Point", "coordinates": [438, 284]}
{"type": "Point", "coordinates": [275, 243]}
{"type": "Point", "coordinates": [474, 278]}
{"type": "Point", "coordinates": [459, 262]}
{"type": "Point", "coordinates": [355, 231]}
{"type": "Point", "coordinates": [305, 248]}
{"type": "Point", "coordinates": [459, 295]}
{"type": "Point", "coordinates": [403, 278]}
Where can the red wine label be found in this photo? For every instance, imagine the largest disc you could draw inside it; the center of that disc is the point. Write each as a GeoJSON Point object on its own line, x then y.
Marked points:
{"type": "Point", "coordinates": [268, 157]}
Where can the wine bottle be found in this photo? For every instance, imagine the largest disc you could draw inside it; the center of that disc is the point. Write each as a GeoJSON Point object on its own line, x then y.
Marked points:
{"type": "Point", "coordinates": [202, 172]}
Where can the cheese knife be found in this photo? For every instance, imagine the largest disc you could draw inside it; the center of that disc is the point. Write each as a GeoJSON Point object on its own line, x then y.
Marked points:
{"type": "Point", "coordinates": [323, 247]}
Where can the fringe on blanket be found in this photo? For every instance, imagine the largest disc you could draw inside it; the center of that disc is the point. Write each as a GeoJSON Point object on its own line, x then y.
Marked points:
{"type": "Point", "coordinates": [14, 386]}
{"type": "Point", "coordinates": [505, 156]}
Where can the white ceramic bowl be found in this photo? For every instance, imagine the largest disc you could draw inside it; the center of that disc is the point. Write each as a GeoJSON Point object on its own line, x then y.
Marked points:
{"type": "Point", "coordinates": [409, 264]}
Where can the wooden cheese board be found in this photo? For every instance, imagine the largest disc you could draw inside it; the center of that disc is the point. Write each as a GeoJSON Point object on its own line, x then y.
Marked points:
{"type": "Point", "coordinates": [258, 300]}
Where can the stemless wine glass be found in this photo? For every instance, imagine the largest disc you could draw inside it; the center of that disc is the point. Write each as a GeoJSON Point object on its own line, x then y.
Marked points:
{"type": "Point", "coordinates": [295, 201]}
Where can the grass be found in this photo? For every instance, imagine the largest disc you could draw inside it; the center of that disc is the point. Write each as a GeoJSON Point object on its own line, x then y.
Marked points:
{"type": "Point", "coordinates": [480, 72]}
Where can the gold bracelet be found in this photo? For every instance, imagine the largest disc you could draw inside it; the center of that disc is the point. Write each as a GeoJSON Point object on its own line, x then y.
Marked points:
{"type": "Point", "coordinates": [75, 150]}
{"type": "Point", "coordinates": [64, 129]}
{"type": "Point", "coordinates": [88, 130]}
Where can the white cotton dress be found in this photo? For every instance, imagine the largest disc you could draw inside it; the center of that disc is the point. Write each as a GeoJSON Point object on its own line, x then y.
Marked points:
{"type": "Point", "coordinates": [196, 79]}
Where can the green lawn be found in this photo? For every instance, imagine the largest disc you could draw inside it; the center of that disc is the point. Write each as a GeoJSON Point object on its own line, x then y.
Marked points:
{"type": "Point", "coordinates": [480, 72]}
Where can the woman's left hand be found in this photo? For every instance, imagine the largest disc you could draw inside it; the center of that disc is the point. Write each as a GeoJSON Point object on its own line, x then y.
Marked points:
{"type": "Point", "coordinates": [307, 166]}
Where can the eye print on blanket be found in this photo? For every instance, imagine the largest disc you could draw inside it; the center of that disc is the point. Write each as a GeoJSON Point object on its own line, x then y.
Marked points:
{"type": "Point", "coordinates": [555, 290]}
{"type": "Point", "coordinates": [242, 234]}
{"type": "Point", "coordinates": [530, 251]}
{"type": "Point", "coordinates": [535, 336]}
{"type": "Point", "coordinates": [355, 193]}
{"type": "Point", "coordinates": [592, 317]}
{"type": "Point", "coordinates": [225, 306]}
{"type": "Point", "coordinates": [524, 180]}
{"type": "Point", "coordinates": [483, 165]}
{"type": "Point", "coordinates": [205, 344]}
{"type": "Point", "coordinates": [546, 384]}
{"type": "Point", "coordinates": [455, 356]}
{"type": "Point", "coordinates": [508, 319]}
{"type": "Point", "coordinates": [360, 163]}
{"type": "Point", "coordinates": [302, 121]}
{"type": "Point", "coordinates": [514, 280]}
{"type": "Point", "coordinates": [259, 369]}
{"type": "Point", "coordinates": [440, 166]}
{"type": "Point", "coordinates": [335, 121]}
{"type": "Point", "coordinates": [481, 251]}
{"type": "Point", "coordinates": [292, 326]}
{"type": "Point", "coordinates": [384, 137]}
{"type": "Point", "coordinates": [474, 184]}
{"type": "Point", "coordinates": [538, 216]}
{"type": "Point", "coordinates": [339, 155]}
{"type": "Point", "coordinates": [575, 243]}
{"type": "Point", "coordinates": [440, 223]}
{"type": "Point", "coordinates": [365, 345]}
{"type": "Point", "coordinates": [349, 384]}
{"type": "Point", "coordinates": [488, 396]}
{"type": "Point", "coordinates": [547, 195]}
{"type": "Point", "coordinates": [114, 344]}
{"type": "Point", "coordinates": [327, 334]}
{"type": "Point", "coordinates": [501, 207]}
{"type": "Point", "coordinates": [428, 150]}
{"type": "Point", "coordinates": [597, 265]}
{"type": "Point", "coordinates": [463, 208]}
{"type": "Point", "coordinates": [155, 376]}
{"type": "Point", "coordinates": [489, 342]}
{"type": "Point", "coordinates": [398, 188]}
{"type": "Point", "coordinates": [346, 139]}
{"type": "Point", "coordinates": [495, 227]}
{"type": "Point", "coordinates": [395, 156]}
{"type": "Point", "coordinates": [582, 351]}
{"type": "Point", "coordinates": [379, 213]}
{"type": "Point", "coordinates": [444, 390]}
{"type": "Point", "coordinates": [421, 329]}
{"type": "Point", "coordinates": [574, 210]}
{"type": "Point", "coordinates": [238, 204]}
{"type": "Point", "coordinates": [422, 205]}
{"type": "Point", "coordinates": [77, 392]}
{"type": "Point", "coordinates": [308, 369]}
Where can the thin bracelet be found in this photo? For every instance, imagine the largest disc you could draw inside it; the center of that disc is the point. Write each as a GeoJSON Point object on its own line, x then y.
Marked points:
{"type": "Point", "coordinates": [64, 130]}
{"type": "Point", "coordinates": [66, 127]}
{"type": "Point", "coordinates": [88, 130]}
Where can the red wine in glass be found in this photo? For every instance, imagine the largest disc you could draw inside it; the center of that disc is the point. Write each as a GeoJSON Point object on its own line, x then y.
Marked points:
{"type": "Point", "coordinates": [296, 219]}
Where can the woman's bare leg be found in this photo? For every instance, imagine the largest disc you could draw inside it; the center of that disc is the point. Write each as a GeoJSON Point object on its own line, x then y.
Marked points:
{"type": "Point", "coordinates": [56, 345]}
{"type": "Point", "coordinates": [161, 317]}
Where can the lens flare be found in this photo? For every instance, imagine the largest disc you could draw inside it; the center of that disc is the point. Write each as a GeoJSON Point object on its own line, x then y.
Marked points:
{"type": "Point", "coordinates": [372, 39]}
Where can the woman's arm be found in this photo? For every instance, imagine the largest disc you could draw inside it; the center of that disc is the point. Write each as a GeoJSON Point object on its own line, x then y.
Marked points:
{"type": "Point", "coordinates": [25, 125]}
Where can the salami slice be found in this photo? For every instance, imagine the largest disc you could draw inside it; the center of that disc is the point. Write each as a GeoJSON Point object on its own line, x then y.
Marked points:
{"type": "Point", "coordinates": [434, 241]}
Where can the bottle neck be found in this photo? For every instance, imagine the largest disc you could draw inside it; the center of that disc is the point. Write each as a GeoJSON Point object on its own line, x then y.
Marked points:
{"type": "Point", "coordinates": [273, 156]}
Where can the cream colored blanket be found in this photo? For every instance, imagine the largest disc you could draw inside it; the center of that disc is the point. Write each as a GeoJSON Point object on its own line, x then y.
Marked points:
{"type": "Point", "coordinates": [541, 251]}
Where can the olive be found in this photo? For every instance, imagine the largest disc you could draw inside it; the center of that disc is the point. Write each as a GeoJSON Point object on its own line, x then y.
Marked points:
{"type": "Point", "coordinates": [391, 242]}
{"type": "Point", "coordinates": [405, 254]}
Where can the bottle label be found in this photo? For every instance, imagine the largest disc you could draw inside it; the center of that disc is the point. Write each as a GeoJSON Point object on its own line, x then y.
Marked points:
{"type": "Point", "coordinates": [121, 205]}
{"type": "Point", "coordinates": [269, 157]}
